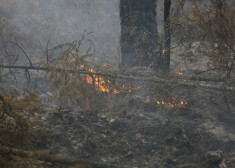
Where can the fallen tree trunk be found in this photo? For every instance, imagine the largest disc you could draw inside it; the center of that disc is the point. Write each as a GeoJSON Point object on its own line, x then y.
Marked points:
{"type": "Point", "coordinates": [169, 79]}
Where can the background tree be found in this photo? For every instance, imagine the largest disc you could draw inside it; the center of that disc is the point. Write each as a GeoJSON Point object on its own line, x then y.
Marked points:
{"type": "Point", "coordinates": [214, 27]}
{"type": "Point", "coordinates": [163, 61]}
{"type": "Point", "coordinates": [138, 32]}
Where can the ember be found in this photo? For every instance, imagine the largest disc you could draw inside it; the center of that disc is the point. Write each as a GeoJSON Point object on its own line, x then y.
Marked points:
{"type": "Point", "coordinates": [164, 51]}
{"type": "Point", "coordinates": [169, 103]}
{"type": "Point", "coordinates": [179, 73]}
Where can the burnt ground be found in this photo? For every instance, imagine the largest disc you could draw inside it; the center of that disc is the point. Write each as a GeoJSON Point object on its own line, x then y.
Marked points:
{"type": "Point", "coordinates": [151, 136]}
{"type": "Point", "coordinates": [135, 133]}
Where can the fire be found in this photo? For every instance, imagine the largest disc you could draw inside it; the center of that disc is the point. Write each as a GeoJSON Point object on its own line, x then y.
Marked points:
{"type": "Point", "coordinates": [179, 73]}
{"type": "Point", "coordinates": [183, 103]}
{"type": "Point", "coordinates": [169, 103]}
{"type": "Point", "coordinates": [102, 85]}
{"type": "Point", "coordinates": [164, 51]}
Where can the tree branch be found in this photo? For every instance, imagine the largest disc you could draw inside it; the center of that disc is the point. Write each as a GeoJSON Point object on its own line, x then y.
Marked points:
{"type": "Point", "coordinates": [168, 79]}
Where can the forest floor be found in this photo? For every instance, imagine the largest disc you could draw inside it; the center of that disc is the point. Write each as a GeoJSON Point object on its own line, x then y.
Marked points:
{"type": "Point", "coordinates": [134, 133]}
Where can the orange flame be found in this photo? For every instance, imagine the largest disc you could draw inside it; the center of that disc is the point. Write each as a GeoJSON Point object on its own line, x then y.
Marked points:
{"type": "Point", "coordinates": [179, 73]}
{"type": "Point", "coordinates": [102, 85]}
{"type": "Point", "coordinates": [164, 51]}
{"type": "Point", "coordinates": [170, 103]}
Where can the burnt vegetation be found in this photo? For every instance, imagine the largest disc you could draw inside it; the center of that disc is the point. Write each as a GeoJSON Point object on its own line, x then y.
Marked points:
{"type": "Point", "coordinates": [161, 95]}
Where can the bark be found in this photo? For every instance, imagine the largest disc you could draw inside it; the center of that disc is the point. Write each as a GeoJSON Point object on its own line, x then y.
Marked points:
{"type": "Point", "coordinates": [138, 32]}
{"type": "Point", "coordinates": [163, 64]}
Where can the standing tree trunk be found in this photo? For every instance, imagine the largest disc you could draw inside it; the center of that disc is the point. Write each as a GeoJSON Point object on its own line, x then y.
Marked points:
{"type": "Point", "coordinates": [138, 32]}
{"type": "Point", "coordinates": [163, 62]}
{"type": "Point", "coordinates": [167, 8]}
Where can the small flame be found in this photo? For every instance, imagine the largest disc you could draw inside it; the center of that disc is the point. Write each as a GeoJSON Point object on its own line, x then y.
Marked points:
{"type": "Point", "coordinates": [179, 73]}
{"type": "Point", "coordinates": [171, 105]}
{"type": "Point", "coordinates": [183, 103]}
{"type": "Point", "coordinates": [171, 102]}
{"type": "Point", "coordinates": [101, 84]}
{"type": "Point", "coordinates": [164, 51]}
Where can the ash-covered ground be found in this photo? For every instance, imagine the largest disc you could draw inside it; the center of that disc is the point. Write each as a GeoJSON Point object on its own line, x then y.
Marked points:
{"type": "Point", "coordinates": [134, 133]}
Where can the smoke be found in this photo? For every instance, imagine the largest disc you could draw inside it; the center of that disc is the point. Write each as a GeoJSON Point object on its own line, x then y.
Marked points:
{"type": "Point", "coordinates": [64, 21]}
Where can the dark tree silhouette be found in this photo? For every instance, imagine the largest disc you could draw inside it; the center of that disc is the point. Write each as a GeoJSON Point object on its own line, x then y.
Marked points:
{"type": "Point", "coordinates": [138, 32]}
{"type": "Point", "coordinates": [164, 59]}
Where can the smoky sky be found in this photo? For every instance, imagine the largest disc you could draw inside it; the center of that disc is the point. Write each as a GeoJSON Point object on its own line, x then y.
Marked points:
{"type": "Point", "coordinates": [63, 21]}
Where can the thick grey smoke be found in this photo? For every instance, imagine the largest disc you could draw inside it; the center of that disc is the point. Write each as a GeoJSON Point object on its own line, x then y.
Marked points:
{"type": "Point", "coordinates": [63, 21]}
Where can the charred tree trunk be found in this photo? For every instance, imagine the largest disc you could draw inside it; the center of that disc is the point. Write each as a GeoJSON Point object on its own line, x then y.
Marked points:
{"type": "Point", "coordinates": [163, 64]}
{"type": "Point", "coordinates": [138, 32]}
{"type": "Point", "coordinates": [167, 8]}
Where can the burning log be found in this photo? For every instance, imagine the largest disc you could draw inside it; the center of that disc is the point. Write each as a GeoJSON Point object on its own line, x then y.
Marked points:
{"type": "Point", "coordinates": [103, 85]}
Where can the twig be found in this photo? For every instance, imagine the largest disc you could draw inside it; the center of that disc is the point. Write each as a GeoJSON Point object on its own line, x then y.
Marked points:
{"type": "Point", "coordinates": [15, 79]}
{"type": "Point", "coordinates": [31, 64]}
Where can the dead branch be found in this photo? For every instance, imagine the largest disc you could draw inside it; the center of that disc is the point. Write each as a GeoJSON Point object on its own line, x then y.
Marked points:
{"type": "Point", "coordinates": [168, 79]}
{"type": "Point", "coordinates": [26, 55]}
